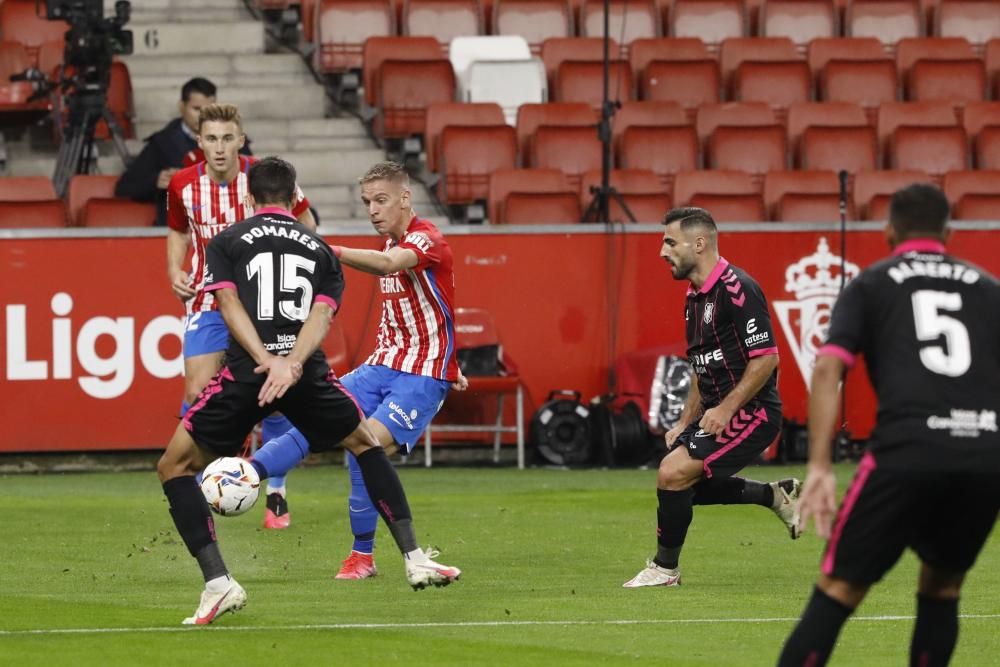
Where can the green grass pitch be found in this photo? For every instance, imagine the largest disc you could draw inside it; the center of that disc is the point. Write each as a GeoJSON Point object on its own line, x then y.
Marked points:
{"type": "Point", "coordinates": [93, 573]}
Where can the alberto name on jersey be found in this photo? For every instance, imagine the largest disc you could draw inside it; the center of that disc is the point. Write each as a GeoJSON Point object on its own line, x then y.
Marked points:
{"type": "Point", "coordinates": [198, 204]}
{"type": "Point", "coordinates": [416, 333]}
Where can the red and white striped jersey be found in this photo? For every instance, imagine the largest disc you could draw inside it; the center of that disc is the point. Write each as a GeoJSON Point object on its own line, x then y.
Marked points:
{"type": "Point", "coordinates": [197, 203]}
{"type": "Point", "coordinates": [417, 331]}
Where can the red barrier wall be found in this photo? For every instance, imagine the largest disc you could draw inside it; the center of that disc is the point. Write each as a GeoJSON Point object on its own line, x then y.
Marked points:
{"type": "Point", "coordinates": [90, 333]}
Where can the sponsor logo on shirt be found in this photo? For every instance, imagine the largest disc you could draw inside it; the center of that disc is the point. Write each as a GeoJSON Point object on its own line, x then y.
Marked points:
{"type": "Point", "coordinates": [419, 239]}
{"type": "Point", "coordinates": [965, 423]}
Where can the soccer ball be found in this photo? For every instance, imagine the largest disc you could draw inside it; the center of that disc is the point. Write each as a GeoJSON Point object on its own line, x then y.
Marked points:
{"type": "Point", "coordinates": [231, 486]}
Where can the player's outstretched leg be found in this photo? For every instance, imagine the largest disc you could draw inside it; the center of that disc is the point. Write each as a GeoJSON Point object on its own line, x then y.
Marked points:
{"type": "Point", "coordinates": [360, 564]}
{"type": "Point", "coordinates": [781, 497]}
{"type": "Point", "coordinates": [194, 523]}
{"type": "Point", "coordinates": [272, 462]}
{"type": "Point", "coordinates": [276, 515]}
{"type": "Point", "coordinates": [386, 493]}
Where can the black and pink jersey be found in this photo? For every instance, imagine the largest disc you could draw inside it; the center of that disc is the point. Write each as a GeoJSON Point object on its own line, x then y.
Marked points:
{"type": "Point", "coordinates": [728, 324]}
{"type": "Point", "coordinates": [198, 204]}
{"type": "Point", "coordinates": [416, 333]}
{"type": "Point", "coordinates": [928, 325]}
{"type": "Point", "coordinates": [279, 269]}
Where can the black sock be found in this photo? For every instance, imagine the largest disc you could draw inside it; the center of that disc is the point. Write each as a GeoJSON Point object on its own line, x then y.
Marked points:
{"type": "Point", "coordinates": [193, 520]}
{"type": "Point", "coordinates": [673, 516]}
{"type": "Point", "coordinates": [259, 467]}
{"type": "Point", "coordinates": [813, 638]}
{"type": "Point", "coordinates": [733, 491]}
{"type": "Point", "coordinates": [935, 632]}
{"type": "Point", "coordinates": [387, 495]}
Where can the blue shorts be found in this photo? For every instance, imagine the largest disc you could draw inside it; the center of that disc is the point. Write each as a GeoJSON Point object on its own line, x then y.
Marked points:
{"type": "Point", "coordinates": [403, 402]}
{"type": "Point", "coordinates": [204, 333]}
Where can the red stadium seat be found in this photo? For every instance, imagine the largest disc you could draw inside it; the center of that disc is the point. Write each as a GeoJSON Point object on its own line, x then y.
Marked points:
{"type": "Point", "coordinates": [977, 207]}
{"type": "Point", "coordinates": [823, 50]}
{"type": "Point", "coordinates": [26, 188]}
{"type": "Point", "coordinates": [958, 184]}
{"type": "Point", "coordinates": [956, 81]}
{"type": "Point", "coordinates": [344, 25]}
{"type": "Point", "coordinates": [688, 184]}
{"type": "Point", "coordinates": [535, 20]}
{"type": "Point", "coordinates": [573, 150]}
{"type": "Point", "coordinates": [32, 214]}
{"type": "Point", "coordinates": [976, 20]}
{"type": "Point", "coordinates": [583, 81]}
{"type": "Point", "coordinates": [379, 49]}
{"type": "Point", "coordinates": [800, 20]}
{"type": "Point", "coordinates": [777, 184]}
{"type": "Point", "coordinates": [750, 114]}
{"type": "Point", "coordinates": [50, 56]}
{"type": "Point", "coordinates": [505, 181]}
{"type": "Point", "coordinates": [988, 148]}
{"type": "Point", "coordinates": [557, 50]}
{"type": "Point", "coordinates": [641, 189]}
{"type": "Point", "coordinates": [737, 50]}
{"type": "Point", "coordinates": [810, 207]}
{"type": "Point", "coordinates": [834, 148]}
{"type": "Point", "coordinates": [711, 21]}
{"type": "Point", "coordinates": [755, 150]}
{"type": "Point", "coordinates": [887, 20]}
{"type": "Point", "coordinates": [445, 114]}
{"type": "Point", "coordinates": [469, 154]}
{"type": "Point", "coordinates": [930, 114]}
{"type": "Point", "coordinates": [872, 190]}
{"type": "Point", "coordinates": [780, 84]}
{"type": "Point", "coordinates": [634, 114]}
{"type": "Point", "coordinates": [119, 102]}
{"type": "Point", "coordinates": [664, 150]}
{"type": "Point", "coordinates": [688, 83]}
{"type": "Point", "coordinates": [532, 116]}
{"type": "Point", "coordinates": [644, 51]}
{"type": "Point", "coordinates": [628, 20]}
{"type": "Point", "coordinates": [865, 82]}
{"type": "Point", "coordinates": [731, 208]}
{"type": "Point", "coordinates": [442, 19]}
{"type": "Point", "coordinates": [84, 187]}
{"type": "Point", "coordinates": [111, 212]}
{"type": "Point", "coordinates": [992, 59]}
{"type": "Point", "coordinates": [829, 114]}
{"type": "Point", "coordinates": [405, 89]}
{"type": "Point", "coordinates": [978, 115]}
{"type": "Point", "coordinates": [14, 59]}
{"type": "Point", "coordinates": [545, 208]}
{"type": "Point", "coordinates": [18, 21]}
{"type": "Point", "coordinates": [912, 49]}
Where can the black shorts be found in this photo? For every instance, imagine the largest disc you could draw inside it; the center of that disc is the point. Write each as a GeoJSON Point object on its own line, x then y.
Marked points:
{"type": "Point", "coordinates": [227, 410]}
{"type": "Point", "coordinates": [751, 431]}
{"type": "Point", "coordinates": [944, 517]}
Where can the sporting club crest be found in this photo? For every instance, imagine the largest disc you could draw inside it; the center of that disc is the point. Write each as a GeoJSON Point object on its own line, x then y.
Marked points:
{"type": "Point", "coordinates": [814, 281]}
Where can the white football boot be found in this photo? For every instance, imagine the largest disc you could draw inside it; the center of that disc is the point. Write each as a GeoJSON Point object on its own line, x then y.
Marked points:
{"type": "Point", "coordinates": [422, 571]}
{"type": "Point", "coordinates": [654, 575]}
{"type": "Point", "coordinates": [786, 504]}
{"type": "Point", "coordinates": [214, 605]}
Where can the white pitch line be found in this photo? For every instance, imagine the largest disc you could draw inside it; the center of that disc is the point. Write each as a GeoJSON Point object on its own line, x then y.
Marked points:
{"type": "Point", "coordinates": [456, 624]}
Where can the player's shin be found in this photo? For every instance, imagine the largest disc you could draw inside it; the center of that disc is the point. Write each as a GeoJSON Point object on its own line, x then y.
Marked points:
{"type": "Point", "coordinates": [386, 493]}
{"type": "Point", "coordinates": [364, 517]}
{"type": "Point", "coordinates": [673, 516]}
{"type": "Point", "coordinates": [194, 523]}
{"type": "Point", "coordinates": [732, 491]}
{"type": "Point", "coordinates": [813, 638]}
{"type": "Point", "coordinates": [272, 427]}
{"type": "Point", "coordinates": [935, 631]}
{"type": "Point", "coordinates": [280, 455]}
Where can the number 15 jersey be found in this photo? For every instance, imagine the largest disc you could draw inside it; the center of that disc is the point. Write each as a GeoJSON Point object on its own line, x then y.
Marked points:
{"type": "Point", "coordinates": [928, 325]}
{"type": "Point", "coordinates": [279, 269]}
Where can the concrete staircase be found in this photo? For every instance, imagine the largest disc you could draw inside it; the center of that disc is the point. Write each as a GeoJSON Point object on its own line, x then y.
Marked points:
{"type": "Point", "coordinates": [285, 110]}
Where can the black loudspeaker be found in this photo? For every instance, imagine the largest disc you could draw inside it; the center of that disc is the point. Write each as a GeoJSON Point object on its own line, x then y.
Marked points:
{"type": "Point", "coordinates": [561, 430]}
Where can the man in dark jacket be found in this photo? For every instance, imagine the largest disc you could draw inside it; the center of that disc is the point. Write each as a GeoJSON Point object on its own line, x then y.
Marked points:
{"type": "Point", "coordinates": [147, 178]}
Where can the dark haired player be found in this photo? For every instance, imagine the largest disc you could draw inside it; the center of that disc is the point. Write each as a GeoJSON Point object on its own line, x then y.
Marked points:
{"type": "Point", "coordinates": [733, 411]}
{"type": "Point", "coordinates": [928, 325]}
{"type": "Point", "coordinates": [277, 285]}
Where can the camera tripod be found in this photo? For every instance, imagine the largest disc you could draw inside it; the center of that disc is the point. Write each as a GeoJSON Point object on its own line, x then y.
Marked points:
{"type": "Point", "coordinates": [77, 151]}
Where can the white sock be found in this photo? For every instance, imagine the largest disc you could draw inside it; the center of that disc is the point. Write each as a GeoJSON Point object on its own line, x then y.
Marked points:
{"type": "Point", "coordinates": [219, 584]}
{"type": "Point", "coordinates": [280, 490]}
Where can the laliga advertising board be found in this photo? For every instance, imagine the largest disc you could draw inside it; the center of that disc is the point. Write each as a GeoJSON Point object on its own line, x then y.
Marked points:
{"type": "Point", "coordinates": [90, 337]}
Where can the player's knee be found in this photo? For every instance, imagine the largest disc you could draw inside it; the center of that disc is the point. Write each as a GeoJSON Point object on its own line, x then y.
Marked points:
{"type": "Point", "coordinates": [940, 584]}
{"type": "Point", "coordinates": [670, 478]}
{"type": "Point", "coordinates": [845, 592]}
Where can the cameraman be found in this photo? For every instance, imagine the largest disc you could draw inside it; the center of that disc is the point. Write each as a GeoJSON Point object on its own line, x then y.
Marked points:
{"type": "Point", "coordinates": [147, 177]}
